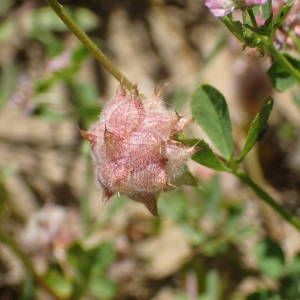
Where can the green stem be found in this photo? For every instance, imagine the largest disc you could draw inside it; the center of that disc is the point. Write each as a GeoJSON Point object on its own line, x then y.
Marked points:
{"type": "Point", "coordinates": [262, 194]}
{"type": "Point", "coordinates": [11, 243]}
{"type": "Point", "coordinates": [90, 45]}
{"type": "Point", "coordinates": [236, 28]}
{"type": "Point", "coordinates": [283, 61]}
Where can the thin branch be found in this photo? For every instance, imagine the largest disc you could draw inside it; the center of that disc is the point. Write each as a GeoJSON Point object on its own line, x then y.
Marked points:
{"type": "Point", "coordinates": [90, 45]}
{"type": "Point", "coordinates": [263, 195]}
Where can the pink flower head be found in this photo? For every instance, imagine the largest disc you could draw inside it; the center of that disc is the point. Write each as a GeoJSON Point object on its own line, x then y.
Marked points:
{"type": "Point", "coordinates": [133, 150]}
{"type": "Point", "coordinates": [248, 3]}
{"type": "Point", "coordinates": [221, 8]}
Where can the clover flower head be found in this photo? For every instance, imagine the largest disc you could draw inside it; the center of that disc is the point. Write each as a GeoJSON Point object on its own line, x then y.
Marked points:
{"type": "Point", "coordinates": [133, 147]}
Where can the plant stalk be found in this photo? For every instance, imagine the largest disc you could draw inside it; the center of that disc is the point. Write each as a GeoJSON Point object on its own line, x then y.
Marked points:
{"type": "Point", "coordinates": [262, 194]}
{"type": "Point", "coordinates": [283, 61]}
{"type": "Point", "coordinates": [90, 45]}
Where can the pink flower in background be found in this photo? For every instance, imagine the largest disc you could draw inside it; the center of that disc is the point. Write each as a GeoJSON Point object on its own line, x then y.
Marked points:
{"type": "Point", "coordinates": [133, 150]}
{"type": "Point", "coordinates": [51, 230]}
{"type": "Point", "coordinates": [252, 2]}
{"type": "Point", "coordinates": [221, 8]}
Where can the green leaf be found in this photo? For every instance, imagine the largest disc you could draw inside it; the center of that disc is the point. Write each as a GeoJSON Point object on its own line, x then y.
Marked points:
{"type": "Point", "coordinates": [48, 114]}
{"type": "Point", "coordinates": [5, 173]}
{"type": "Point", "coordinates": [102, 256]}
{"type": "Point", "coordinates": [289, 287]}
{"type": "Point", "coordinates": [264, 295]}
{"type": "Point", "coordinates": [186, 178]}
{"type": "Point", "coordinates": [79, 55]}
{"type": "Point", "coordinates": [258, 125]}
{"type": "Point", "coordinates": [58, 283]}
{"type": "Point", "coordinates": [280, 77]}
{"type": "Point", "coordinates": [210, 111]}
{"type": "Point", "coordinates": [5, 5]}
{"type": "Point", "coordinates": [7, 30]}
{"type": "Point", "coordinates": [236, 27]}
{"type": "Point", "coordinates": [206, 157]}
{"type": "Point", "coordinates": [195, 236]}
{"type": "Point", "coordinates": [87, 261]}
{"type": "Point", "coordinates": [28, 289]}
{"type": "Point", "coordinates": [294, 266]}
{"type": "Point", "coordinates": [8, 81]}
{"type": "Point", "coordinates": [281, 15]}
{"type": "Point", "coordinates": [44, 19]}
{"type": "Point", "coordinates": [252, 36]}
{"type": "Point", "coordinates": [85, 102]}
{"type": "Point", "coordinates": [88, 264]}
{"type": "Point", "coordinates": [103, 288]}
{"type": "Point", "coordinates": [175, 205]}
{"type": "Point", "coordinates": [213, 285]}
{"type": "Point", "coordinates": [4, 197]}
{"type": "Point", "coordinates": [267, 10]}
{"type": "Point", "coordinates": [85, 18]}
{"type": "Point", "coordinates": [52, 43]}
{"type": "Point", "coordinates": [270, 258]}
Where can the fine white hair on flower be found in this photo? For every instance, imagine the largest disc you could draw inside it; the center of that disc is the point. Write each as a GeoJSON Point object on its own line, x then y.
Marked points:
{"type": "Point", "coordinates": [133, 147]}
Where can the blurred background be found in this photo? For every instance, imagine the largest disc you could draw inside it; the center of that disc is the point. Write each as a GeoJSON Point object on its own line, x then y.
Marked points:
{"type": "Point", "coordinates": [213, 241]}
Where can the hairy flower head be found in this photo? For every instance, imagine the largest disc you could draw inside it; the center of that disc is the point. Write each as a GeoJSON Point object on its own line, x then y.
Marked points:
{"type": "Point", "coordinates": [133, 150]}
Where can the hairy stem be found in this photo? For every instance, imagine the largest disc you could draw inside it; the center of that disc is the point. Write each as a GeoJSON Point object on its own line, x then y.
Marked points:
{"type": "Point", "coordinates": [90, 45]}
{"type": "Point", "coordinates": [262, 194]}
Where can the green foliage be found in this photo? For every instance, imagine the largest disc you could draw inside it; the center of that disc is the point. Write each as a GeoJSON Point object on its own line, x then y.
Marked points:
{"type": "Point", "coordinates": [207, 203]}
{"type": "Point", "coordinates": [85, 102]}
{"type": "Point", "coordinates": [88, 277]}
{"type": "Point", "coordinates": [213, 223]}
{"type": "Point", "coordinates": [213, 286]}
{"type": "Point", "coordinates": [89, 267]}
{"type": "Point", "coordinates": [264, 295]}
{"type": "Point", "coordinates": [44, 18]}
{"type": "Point", "coordinates": [258, 125]}
{"type": "Point", "coordinates": [206, 157]}
{"type": "Point", "coordinates": [60, 284]}
{"type": "Point", "coordinates": [28, 291]}
{"type": "Point", "coordinates": [270, 258]}
{"type": "Point", "coordinates": [5, 174]}
{"type": "Point", "coordinates": [280, 76]}
{"type": "Point", "coordinates": [210, 111]}
{"type": "Point", "coordinates": [9, 72]}
{"type": "Point", "coordinates": [281, 15]}
{"type": "Point", "coordinates": [235, 27]}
